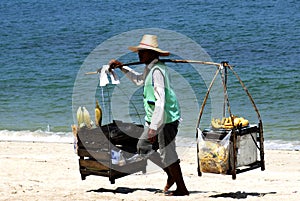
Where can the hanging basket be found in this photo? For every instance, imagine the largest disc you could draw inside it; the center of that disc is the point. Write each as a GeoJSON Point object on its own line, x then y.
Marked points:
{"type": "Point", "coordinates": [240, 154]}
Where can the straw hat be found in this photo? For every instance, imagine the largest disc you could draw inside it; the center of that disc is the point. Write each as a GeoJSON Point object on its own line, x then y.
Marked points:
{"type": "Point", "coordinates": [149, 42]}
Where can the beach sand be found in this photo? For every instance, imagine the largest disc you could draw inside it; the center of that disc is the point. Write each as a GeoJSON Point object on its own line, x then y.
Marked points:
{"type": "Point", "coordinates": [49, 171]}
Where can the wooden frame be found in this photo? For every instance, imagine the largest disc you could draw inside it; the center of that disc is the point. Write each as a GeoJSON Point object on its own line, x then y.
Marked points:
{"type": "Point", "coordinates": [222, 69]}
{"type": "Point", "coordinates": [94, 146]}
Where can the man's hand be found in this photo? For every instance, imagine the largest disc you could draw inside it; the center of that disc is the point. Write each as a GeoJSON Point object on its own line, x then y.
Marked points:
{"type": "Point", "coordinates": [151, 135]}
{"type": "Point", "coordinates": [113, 64]}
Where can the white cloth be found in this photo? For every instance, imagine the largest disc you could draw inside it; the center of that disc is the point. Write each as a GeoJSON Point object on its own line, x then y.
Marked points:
{"type": "Point", "coordinates": [104, 72]}
{"type": "Point", "coordinates": [103, 77]}
{"type": "Point", "coordinates": [114, 78]}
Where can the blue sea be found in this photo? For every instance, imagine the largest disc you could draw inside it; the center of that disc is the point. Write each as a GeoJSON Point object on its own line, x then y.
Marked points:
{"type": "Point", "coordinates": [47, 46]}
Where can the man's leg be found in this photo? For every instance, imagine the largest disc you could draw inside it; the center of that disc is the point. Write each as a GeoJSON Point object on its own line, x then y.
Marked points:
{"type": "Point", "coordinates": [156, 159]}
{"type": "Point", "coordinates": [145, 148]}
{"type": "Point", "coordinates": [170, 157]}
{"type": "Point", "coordinates": [176, 174]}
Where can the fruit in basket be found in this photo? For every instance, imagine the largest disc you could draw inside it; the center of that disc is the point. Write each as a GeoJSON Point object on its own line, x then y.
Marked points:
{"type": "Point", "coordinates": [229, 122]}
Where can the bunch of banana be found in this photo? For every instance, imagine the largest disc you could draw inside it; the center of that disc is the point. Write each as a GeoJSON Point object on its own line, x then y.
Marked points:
{"type": "Point", "coordinates": [226, 123]}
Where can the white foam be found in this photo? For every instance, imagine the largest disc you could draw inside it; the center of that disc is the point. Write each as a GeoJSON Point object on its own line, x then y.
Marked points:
{"type": "Point", "coordinates": [282, 145]}
{"type": "Point", "coordinates": [36, 136]}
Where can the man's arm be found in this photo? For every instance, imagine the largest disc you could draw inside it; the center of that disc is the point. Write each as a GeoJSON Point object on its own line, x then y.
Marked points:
{"type": "Point", "coordinates": [136, 77]}
{"type": "Point", "coordinates": [159, 92]}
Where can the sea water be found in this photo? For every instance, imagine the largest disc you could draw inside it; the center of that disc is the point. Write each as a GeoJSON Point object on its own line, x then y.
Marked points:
{"type": "Point", "coordinates": [43, 45]}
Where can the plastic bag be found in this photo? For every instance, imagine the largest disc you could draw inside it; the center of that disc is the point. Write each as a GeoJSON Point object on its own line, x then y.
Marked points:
{"type": "Point", "coordinates": [117, 158]}
{"type": "Point", "coordinates": [214, 155]}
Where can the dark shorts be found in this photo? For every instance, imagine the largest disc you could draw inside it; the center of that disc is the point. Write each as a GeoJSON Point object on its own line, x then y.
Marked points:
{"type": "Point", "coordinates": [165, 143]}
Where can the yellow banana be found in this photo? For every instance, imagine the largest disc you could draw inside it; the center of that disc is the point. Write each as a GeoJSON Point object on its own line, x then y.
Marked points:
{"type": "Point", "coordinates": [227, 123]}
{"type": "Point", "coordinates": [227, 126]}
{"type": "Point", "coordinates": [223, 120]}
{"type": "Point", "coordinates": [241, 121]}
{"type": "Point", "coordinates": [245, 122]}
{"type": "Point", "coordinates": [236, 122]}
{"type": "Point", "coordinates": [98, 114]}
{"type": "Point", "coordinates": [215, 124]}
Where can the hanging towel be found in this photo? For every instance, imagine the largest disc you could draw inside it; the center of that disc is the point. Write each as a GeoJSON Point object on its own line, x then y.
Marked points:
{"type": "Point", "coordinates": [114, 77]}
{"type": "Point", "coordinates": [104, 72]}
{"type": "Point", "coordinates": [103, 77]}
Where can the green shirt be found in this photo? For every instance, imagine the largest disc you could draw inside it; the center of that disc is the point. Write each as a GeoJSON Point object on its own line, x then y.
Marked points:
{"type": "Point", "coordinates": [171, 106]}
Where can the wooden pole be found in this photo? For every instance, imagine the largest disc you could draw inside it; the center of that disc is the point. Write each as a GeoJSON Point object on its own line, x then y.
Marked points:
{"type": "Point", "coordinates": [190, 61]}
{"type": "Point", "coordinates": [164, 60]}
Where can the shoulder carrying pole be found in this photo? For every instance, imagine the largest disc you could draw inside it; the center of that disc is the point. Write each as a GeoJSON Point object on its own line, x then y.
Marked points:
{"type": "Point", "coordinates": [164, 60]}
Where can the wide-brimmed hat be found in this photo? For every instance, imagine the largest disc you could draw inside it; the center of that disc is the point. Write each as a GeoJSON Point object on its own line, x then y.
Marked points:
{"type": "Point", "coordinates": [149, 42]}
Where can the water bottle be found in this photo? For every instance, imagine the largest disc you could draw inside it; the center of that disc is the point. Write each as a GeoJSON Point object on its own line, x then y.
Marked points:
{"type": "Point", "coordinates": [122, 160]}
{"type": "Point", "coordinates": [115, 157]}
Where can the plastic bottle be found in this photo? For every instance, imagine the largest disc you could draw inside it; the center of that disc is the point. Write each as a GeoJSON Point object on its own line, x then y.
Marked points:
{"type": "Point", "coordinates": [122, 160]}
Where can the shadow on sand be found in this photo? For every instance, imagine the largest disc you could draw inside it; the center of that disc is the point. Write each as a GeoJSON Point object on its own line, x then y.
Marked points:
{"type": "Point", "coordinates": [240, 195]}
{"type": "Point", "coordinates": [234, 195]}
{"type": "Point", "coordinates": [125, 190]}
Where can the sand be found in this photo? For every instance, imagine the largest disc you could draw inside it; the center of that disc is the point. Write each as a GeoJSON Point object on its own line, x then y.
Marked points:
{"type": "Point", "coordinates": [49, 171]}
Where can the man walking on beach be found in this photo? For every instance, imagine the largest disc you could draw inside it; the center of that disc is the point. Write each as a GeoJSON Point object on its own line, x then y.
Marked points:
{"type": "Point", "coordinates": [162, 112]}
